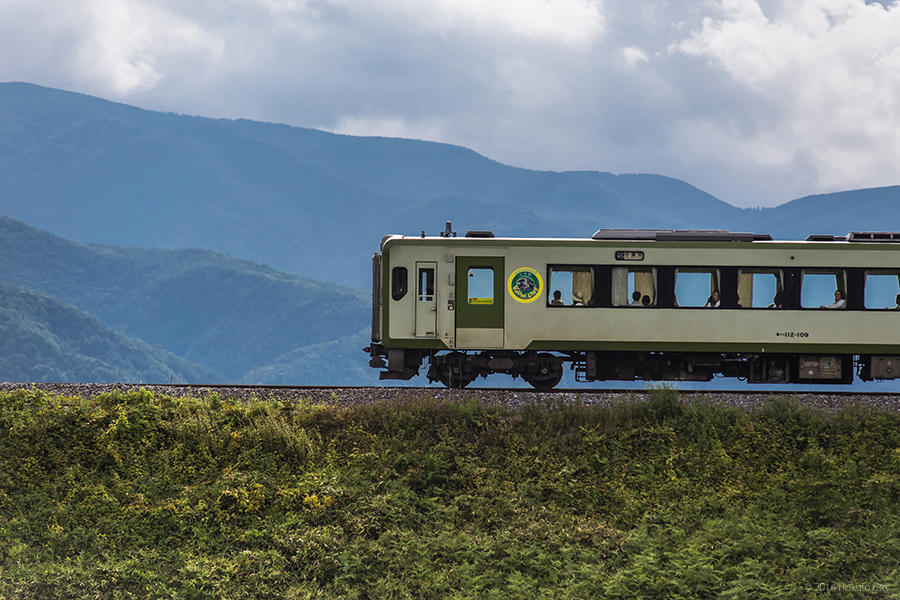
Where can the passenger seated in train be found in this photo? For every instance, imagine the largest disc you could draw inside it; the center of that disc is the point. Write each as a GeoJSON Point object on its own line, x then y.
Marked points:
{"type": "Point", "coordinates": [713, 301]}
{"type": "Point", "coordinates": [557, 298]}
{"type": "Point", "coordinates": [777, 301]}
{"type": "Point", "coordinates": [645, 301]}
{"type": "Point", "coordinates": [897, 300]}
{"type": "Point", "coordinates": [839, 300]}
{"type": "Point", "coordinates": [636, 299]}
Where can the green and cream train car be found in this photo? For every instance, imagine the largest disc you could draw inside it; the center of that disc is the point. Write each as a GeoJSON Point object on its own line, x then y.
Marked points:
{"type": "Point", "coordinates": [638, 304]}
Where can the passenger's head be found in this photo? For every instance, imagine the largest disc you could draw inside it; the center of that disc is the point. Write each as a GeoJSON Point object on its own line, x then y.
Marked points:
{"type": "Point", "coordinates": [645, 300]}
{"type": "Point", "coordinates": [714, 296]}
{"type": "Point", "coordinates": [636, 296]}
{"type": "Point", "coordinates": [557, 294]}
{"type": "Point", "coordinates": [838, 294]}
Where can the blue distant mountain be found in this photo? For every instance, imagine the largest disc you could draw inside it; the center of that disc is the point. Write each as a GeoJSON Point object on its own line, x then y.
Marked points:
{"type": "Point", "coordinates": [874, 209]}
{"type": "Point", "coordinates": [233, 320]}
{"type": "Point", "coordinates": [315, 203]}
{"type": "Point", "coordinates": [43, 339]}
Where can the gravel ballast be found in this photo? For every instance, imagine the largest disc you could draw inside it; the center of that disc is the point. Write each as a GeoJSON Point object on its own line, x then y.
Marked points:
{"type": "Point", "coordinates": [512, 398]}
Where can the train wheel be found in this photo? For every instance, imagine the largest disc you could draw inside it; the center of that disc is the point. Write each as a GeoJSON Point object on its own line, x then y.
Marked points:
{"type": "Point", "coordinates": [452, 371]}
{"type": "Point", "coordinates": [544, 383]}
{"type": "Point", "coordinates": [545, 374]}
{"type": "Point", "coordinates": [455, 382]}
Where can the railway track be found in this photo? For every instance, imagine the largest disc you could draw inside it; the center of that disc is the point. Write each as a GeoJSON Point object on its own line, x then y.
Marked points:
{"type": "Point", "coordinates": [430, 388]}
{"type": "Point", "coordinates": [514, 397]}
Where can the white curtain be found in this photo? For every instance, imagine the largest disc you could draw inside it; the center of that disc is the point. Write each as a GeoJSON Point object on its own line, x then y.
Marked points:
{"type": "Point", "coordinates": [619, 286]}
{"type": "Point", "coordinates": [644, 283]}
{"type": "Point", "coordinates": [745, 289]}
{"type": "Point", "coordinates": [582, 286]}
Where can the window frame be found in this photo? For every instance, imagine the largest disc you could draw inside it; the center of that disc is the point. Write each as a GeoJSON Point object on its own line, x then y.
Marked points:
{"type": "Point", "coordinates": [718, 271]}
{"type": "Point", "coordinates": [399, 287]}
{"type": "Point", "coordinates": [845, 271]}
{"type": "Point", "coordinates": [629, 269]}
{"type": "Point", "coordinates": [572, 268]}
{"type": "Point", "coordinates": [789, 281]}
{"type": "Point", "coordinates": [879, 272]}
{"type": "Point", "coordinates": [780, 286]}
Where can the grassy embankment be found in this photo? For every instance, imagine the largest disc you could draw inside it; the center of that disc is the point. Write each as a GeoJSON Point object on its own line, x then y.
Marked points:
{"type": "Point", "coordinates": [147, 496]}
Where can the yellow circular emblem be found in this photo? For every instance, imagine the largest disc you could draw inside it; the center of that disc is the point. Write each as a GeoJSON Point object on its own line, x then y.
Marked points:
{"type": "Point", "coordinates": [525, 285]}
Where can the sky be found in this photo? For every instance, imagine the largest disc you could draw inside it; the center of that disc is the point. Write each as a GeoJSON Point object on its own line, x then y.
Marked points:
{"type": "Point", "coordinates": [754, 101]}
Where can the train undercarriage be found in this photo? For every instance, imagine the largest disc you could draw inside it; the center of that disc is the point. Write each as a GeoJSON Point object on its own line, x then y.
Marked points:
{"type": "Point", "coordinates": [544, 370]}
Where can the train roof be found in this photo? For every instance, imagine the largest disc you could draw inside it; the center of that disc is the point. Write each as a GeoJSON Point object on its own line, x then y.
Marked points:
{"type": "Point", "coordinates": [723, 235]}
{"type": "Point", "coordinates": [688, 235]}
{"type": "Point", "coordinates": [680, 235]}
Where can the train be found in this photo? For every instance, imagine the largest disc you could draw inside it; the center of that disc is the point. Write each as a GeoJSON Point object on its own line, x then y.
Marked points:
{"type": "Point", "coordinates": [637, 304]}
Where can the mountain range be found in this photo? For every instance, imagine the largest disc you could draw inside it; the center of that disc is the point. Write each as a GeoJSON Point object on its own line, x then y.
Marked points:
{"type": "Point", "coordinates": [43, 339]}
{"type": "Point", "coordinates": [228, 316]}
{"type": "Point", "coordinates": [316, 204]}
{"type": "Point", "coordinates": [242, 248]}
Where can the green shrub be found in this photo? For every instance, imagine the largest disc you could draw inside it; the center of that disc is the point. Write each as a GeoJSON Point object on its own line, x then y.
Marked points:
{"type": "Point", "coordinates": [144, 496]}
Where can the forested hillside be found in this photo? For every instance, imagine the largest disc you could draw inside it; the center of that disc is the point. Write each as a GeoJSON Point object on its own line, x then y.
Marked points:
{"type": "Point", "coordinates": [42, 339]}
{"type": "Point", "coordinates": [229, 316]}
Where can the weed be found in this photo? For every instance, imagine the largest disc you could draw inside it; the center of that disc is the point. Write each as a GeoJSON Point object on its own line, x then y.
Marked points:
{"type": "Point", "coordinates": [145, 496]}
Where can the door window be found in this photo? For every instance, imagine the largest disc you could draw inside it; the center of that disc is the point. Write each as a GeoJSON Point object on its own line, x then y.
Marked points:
{"type": "Point", "coordinates": [480, 285]}
{"type": "Point", "coordinates": [426, 285]}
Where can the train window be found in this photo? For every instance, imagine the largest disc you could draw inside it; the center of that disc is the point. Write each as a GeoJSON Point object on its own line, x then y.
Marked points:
{"type": "Point", "coordinates": [571, 286]}
{"type": "Point", "coordinates": [760, 288]}
{"type": "Point", "coordinates": [818, 288]}
{"type": "Point", "coordinates": [634, 286]}
{"type": "Point", "coordinates": [426, 284]}
{"type": "Point", "coordinates": [883, 289]}
{"type": "Point", "coordinates": [481, 285]}
{"type": "Point", "coordinates": [696, 287]}
{"type": "Point", "coordinates": [399, 282]}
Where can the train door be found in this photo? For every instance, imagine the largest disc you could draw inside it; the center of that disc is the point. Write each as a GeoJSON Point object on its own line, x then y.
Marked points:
{"type": "Point", "coordinates": [480, 300]}
{"type": "Point", "coordinates": [426, 299]}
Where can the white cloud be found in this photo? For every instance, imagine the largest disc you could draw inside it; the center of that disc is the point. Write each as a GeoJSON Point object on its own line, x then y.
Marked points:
{"type": "Point", "coordinates": [103, 46]}
{"type": "Point", "coordinates": [827, 73]}
{"type": "Point", "coordinates": [634, 56]}
{"type": "Point", "coordinates": [753, 101]}
{"type": "Point", "coordinates": [130, 42]}
{"type": "Point", "coordinates": [389, 127]}
{"type": "Point", "coordinates": [564, 21]}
